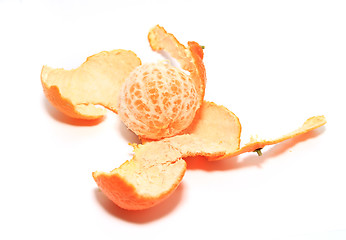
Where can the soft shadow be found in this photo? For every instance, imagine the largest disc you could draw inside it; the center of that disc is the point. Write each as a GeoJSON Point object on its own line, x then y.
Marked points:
{"type": "Point", "coordinates": [60, 117]}
{"type": "Point", "coordinates": [201, 163]}
{"type": "Point", "coordinates": [251, 159]}
{"type": "Point", "coordinates": [141, 216]}
{"type": "Point", "coordinates": [127, 134]}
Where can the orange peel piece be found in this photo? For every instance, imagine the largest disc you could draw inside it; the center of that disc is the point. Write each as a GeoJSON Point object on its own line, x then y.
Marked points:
{"type": "Point", "coordinates": [97, 81]}
{"type": "Point", "coordinates": [190, 57]}
{"type": "Point", "coordinates": [149, 177]}
{"type": "Point", "coordinates": [254, 144]}
{"type": "Point", "coordinates": [154, 172]}
{"type": "Point", "coordinates": [217, 124]}
{"type": "Point", "coordinates": [158, 167]}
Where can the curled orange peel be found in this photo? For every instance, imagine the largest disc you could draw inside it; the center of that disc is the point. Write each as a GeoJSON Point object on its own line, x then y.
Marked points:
{"type": "Point", "coordinates": [190, 58]}
{"type": "Point", "coordinates": [157, 167]}
{"type": "Point", "coordinates": [97, 81]}
{"type": "Point", "coordinates": [254, 144]}
{"type": "Point", "coordinates": [151, 176]}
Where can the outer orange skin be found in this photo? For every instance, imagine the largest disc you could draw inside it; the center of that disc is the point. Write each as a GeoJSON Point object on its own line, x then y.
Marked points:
{"type": "Point", "coordinates": [309, 125]}
{"type": "Point", "coordinates": [65, 105]}
{"type": "Point", "coordinates": [125, 195]}
{"type": "Point", "coordinates": [197, 55]}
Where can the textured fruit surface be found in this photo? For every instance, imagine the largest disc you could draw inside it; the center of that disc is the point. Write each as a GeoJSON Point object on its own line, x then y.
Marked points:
{"type": "Point", "coordinates": [158, 101]}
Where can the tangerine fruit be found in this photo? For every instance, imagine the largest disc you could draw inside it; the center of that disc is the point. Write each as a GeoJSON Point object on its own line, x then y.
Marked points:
{"type": "Point", "coordinates": [158, 100]}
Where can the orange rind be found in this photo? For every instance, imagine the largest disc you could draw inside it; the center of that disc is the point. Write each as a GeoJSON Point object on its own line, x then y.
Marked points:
{"type": "Point", "coordinates": [254, 144]}
{"type": "Point", "coordinates": [151, 176]}
{"type": "Point", "coordinates": [97, 82]}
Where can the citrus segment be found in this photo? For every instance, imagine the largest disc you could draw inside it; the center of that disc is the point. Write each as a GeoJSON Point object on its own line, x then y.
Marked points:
{"type": "Point", "coordinates": [157, 101]}
{"type": "Point", "coordinates": [97, 81]}
{"type": "Point", "coordinates": [190, 58]}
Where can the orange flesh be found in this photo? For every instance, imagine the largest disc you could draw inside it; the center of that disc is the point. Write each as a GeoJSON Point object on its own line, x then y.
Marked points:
{"type": "Point", "coordinates": [158, 101]}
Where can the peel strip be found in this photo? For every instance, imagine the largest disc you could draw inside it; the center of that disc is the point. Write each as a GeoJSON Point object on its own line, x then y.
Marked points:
{"type": "Point", "coordinates": [309, 125]}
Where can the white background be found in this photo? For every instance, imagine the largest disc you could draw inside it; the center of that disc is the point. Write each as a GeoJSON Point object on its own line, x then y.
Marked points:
{"type": "Point", "coordinates": [273, 63]}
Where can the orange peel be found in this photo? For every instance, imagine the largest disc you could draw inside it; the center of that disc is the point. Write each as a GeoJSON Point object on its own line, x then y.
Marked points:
{"type": "Point", "coordinates": [254, 144]}
{"type": "Point", "coordinates": [157, 167]}
{"type": "Point", "coordinates": [97, 81]}
{"type": "Point", "coordinates": [149, 177]}
{"type": "Point", "coordinates": [190, 58]}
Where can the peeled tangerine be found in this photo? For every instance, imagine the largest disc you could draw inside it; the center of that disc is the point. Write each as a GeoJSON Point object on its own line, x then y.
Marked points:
{"type": "Point", "coordinates": [157, 167]}
{"type": "Point", "coordinates": [158, 100]}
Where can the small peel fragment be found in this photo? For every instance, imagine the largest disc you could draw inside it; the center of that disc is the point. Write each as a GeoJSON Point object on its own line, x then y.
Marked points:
{"type": "Point", "coordinates": [97, 81]}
